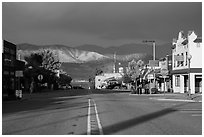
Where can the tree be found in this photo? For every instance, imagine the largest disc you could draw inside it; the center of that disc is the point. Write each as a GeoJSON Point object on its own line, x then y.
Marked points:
{"type": "Point", "coordinates": [34, 60]}
{"type": "Point", "coordinates": [98, 71]}
{"type": "Point", "coordinates": [50, 60]}
{"type": "Point", "coordinates": [127, 79]}
{"type": "Point", "coordinates": [64, 79]}
{"type": "Point", "coordinates": [134, 69]}
{"type": "Point", "coordinates": [43, 62]}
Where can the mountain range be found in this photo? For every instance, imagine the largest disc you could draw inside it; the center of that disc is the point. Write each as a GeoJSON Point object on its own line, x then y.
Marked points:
{"type": "Point", "coordinates": [81, 62]}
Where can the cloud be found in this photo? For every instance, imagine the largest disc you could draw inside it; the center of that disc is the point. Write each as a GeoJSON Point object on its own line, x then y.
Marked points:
{"type": "Point", "coordinates": [106, 22]}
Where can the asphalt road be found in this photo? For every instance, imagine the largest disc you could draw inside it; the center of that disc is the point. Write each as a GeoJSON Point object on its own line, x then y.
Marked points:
{"type": "Point", "coordinates": [85, 112]}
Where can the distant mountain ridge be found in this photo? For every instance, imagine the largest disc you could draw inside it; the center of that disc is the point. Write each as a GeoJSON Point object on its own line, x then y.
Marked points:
{"type": "Point", "coordinates": [75, 55]}
{"type": "Point", "coordinates": [64, 53]}
{"type": "Point", "coordinates": [131, 48]}
{"type": "Point", "coordinates": [81, 64]}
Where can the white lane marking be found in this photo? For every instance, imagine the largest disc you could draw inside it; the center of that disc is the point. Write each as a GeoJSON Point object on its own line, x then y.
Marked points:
{"type": "Point", "coordinates": [165, 99]}
{"type": "Point", "coordinates": [98, 120]}
{"type": "Point", "coordinates": [88, 119]}
{"type": "Point", "coordinates": [197, 115]}
{"type": "Point", "coordinates": [67, 97]}
{"type": "Point", "coordinates": [57, 102]}
{"type": "Point", "coordinates": [191, 109]}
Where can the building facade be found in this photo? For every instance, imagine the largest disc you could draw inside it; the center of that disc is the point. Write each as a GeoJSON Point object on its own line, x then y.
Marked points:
{"type": "Point", "coordinates": [12, 71]}
{"type": "Point", "coordinates": [187, 63]}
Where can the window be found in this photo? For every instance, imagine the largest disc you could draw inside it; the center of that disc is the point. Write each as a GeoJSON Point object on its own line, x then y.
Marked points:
{"type": "Point", "coordinates": [186, 58]}
{"type": "Point", "coordinates": [6, 50]}
{"type": "Point", "coordinates": [12, 61]}
{"type": "Point", "coordinates": [7, 60]}
{"type": "Point", "coordinates": [174, 63]}
{"type": "Point", "coordinates": [182, 62]}
{"type": "Point", "coordinates": [178, 62]}
{"type": "Point", "coordinates": [12, 52]}
{"type": "Point", "coordinates": [177, 81]}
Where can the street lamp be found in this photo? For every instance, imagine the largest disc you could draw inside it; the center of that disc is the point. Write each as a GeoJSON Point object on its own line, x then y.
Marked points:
{"type": "Point", "coordinates": [152, 41]}
{"type": "Point", "coordinates": [189, 67]}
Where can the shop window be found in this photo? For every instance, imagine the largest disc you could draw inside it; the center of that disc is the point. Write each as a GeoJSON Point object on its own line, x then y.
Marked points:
{"type": "Point", "coordinates": [177, 81]}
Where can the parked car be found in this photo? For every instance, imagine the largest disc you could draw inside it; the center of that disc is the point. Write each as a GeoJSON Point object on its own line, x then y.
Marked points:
{"type": "Point", "coordinates": [155, 91]}
{"type": "Point", "coordinates": [65, 86]}
{"type": "Point", "coordinates": [77, 87]}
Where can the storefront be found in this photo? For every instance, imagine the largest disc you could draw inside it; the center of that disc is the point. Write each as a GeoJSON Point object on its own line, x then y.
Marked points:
{"type": "Point", "coordinates": [181, 77]}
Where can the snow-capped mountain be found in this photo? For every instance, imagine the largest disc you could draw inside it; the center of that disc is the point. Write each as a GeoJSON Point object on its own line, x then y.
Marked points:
{"type": "Point", "coordinates": [64, 53]}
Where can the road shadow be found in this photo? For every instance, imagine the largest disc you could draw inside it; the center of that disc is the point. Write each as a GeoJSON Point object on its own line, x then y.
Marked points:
{"type": "Point", "coordinates": [43, 100]}
{"type": "Point", "coordinates": [17, 132]}
{"type": "Point", "coordinates": [41, 103]}
{"type": "Point", "coordinates": [111, 129]}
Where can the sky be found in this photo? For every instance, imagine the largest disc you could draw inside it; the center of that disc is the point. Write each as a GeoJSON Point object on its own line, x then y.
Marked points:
{"type": "Point", "coordinates": [100, 23]}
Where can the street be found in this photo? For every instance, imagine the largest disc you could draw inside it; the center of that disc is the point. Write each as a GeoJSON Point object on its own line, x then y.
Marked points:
{"type": "Point", "coordinates": [100, 112]}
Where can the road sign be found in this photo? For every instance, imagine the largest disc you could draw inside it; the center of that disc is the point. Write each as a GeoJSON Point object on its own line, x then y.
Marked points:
{"type": "Point", "coordinates": [150, 76]}
{"type": "Point", "coordinates": [164, 72]}
{"type": "Point", "coordinates": [40, 77]}
{"type": "Point", "coordinates": [19, 73]}
{"type": "Point", "coordinates": [163, 64]}
{"type": "Point", "coordinates": [154, 63]}
{"type": "Point", "coordinates": [178, 58]}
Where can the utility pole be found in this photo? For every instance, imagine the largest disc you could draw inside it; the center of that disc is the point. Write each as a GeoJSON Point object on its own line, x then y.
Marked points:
{"type": "Point", "coordinates": [154, 57]}
{"type": "Point", "coordinates": [189, 74]}
{"type": "Point", "coordinates": [114, 62]}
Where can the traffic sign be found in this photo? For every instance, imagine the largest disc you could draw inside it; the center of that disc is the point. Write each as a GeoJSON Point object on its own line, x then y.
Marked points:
{"type": "Point", "coordinates": [163, 64]}
{"type": "Point", "coordinates": [40, 77]}
{"type": "Point", "coordinates": [150, 76]}
{"type": "Point", "coordinates": [178, 58]}
{"type": "Point", "coordinates": [164, 72]}
{"type": "Point", "coordinates": [154, 63]}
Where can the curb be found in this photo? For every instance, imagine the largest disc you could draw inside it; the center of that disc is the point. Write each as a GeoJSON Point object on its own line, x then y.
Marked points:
{"type": "Point", "coordinates": [181, 100]}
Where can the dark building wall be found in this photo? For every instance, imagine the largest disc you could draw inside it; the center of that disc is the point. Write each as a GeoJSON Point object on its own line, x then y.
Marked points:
{"type": "Point", "coordinates": [8, 68]}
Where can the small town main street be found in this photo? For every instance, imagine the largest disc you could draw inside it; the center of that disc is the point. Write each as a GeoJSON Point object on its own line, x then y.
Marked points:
{"type": "Point", "coordinates": [82, 112]}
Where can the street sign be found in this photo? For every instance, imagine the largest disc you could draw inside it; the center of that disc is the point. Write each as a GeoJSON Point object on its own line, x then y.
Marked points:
{"type": "Point", "coordinates": [164, 72]}
{"type": "Point", "coordinates": [150, 76]}
{"type": "Point", "coordinates": [178, 58]}
{"type": "Point", "coordinates": [154, 63]}
{"type": "Point", "coordinates": [163, 64]}
{"type": "Point", "coordinates": [19, 73]}
{"type": "Point", "coordinates": [40, 77]}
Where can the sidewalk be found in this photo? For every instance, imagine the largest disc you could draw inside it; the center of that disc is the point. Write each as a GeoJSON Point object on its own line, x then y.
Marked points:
{"type": "Point", "coordinates": [175, 96]}
{"type": "Point", "coordinates": [48, 94]}
{"type": "Point", "coordinates": [184, 96]}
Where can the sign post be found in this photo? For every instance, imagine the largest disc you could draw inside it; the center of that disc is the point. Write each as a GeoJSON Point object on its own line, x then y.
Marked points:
{"type": "Point", "coordinates": [164, 73]}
